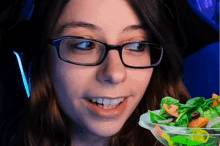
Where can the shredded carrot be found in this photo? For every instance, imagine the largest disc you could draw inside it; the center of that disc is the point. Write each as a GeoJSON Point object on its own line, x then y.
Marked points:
{"type": "Point", "coordinates": [214, 96]}
{"type": "Point", "coordinates": [172, 111]}
{"type": "Point", "coordinates": [173, 107]}
{"type": "Point", "coordinates": [215, 103]}
{"type": "Point", "coordinates": [175, 114]}
{"type": "Point", "coordinates": [165, 106]}
{"type": "Point", "coordinates": [158, 131]}
{"type": "Point", "coordinates": [199, 122]}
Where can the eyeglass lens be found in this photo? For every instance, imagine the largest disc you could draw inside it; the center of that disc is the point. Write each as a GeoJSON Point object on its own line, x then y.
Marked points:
{"type": "Point", "coordinates": [138, 54]}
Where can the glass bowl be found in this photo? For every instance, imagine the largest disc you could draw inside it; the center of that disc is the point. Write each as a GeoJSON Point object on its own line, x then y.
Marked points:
{"type": "Point", "coordinates": [181, 136]}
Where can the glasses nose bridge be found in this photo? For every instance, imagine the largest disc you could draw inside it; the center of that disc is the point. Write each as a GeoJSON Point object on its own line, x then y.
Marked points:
{"type": "Point", "coordinates": [114, 47]}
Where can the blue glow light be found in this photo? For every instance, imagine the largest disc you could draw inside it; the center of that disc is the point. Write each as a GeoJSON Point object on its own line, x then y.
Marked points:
{"type": "Point", "coordinates": [208, 10]}
{"type": "Point", "coordinates": [30, 14]}
{"type": "Point", "coordinates": [27, 9]}
{"type": "Point", "coordinates": [22, 74]}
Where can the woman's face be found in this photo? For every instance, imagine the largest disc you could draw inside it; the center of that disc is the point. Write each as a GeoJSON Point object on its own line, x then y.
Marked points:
{"type": "Point", "coordinates": [107, 21]}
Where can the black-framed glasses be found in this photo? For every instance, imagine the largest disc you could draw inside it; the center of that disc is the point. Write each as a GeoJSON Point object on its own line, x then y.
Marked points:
{"type": "Point", "coordinates": [89, 52]}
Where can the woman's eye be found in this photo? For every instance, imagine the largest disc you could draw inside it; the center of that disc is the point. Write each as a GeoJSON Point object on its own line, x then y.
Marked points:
{"type": "Point", "coordinates": [84, 45]}
{"type": "Point", "coordinates": [136, 47]}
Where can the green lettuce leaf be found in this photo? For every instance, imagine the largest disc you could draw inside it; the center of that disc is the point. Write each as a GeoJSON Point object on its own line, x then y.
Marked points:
{"type": "Point", "coordinates": [183, 121]}
{"type": "Point", "coordinates": [155, 117]}
{"type": "Point", "coordinates": [217, 109]}
{"type": "Point", "coordinates": [207, 103]}
{"type": "Point", "coordinates": [195, 102]}
{"type": "Point", "coordinates": [211, 114]}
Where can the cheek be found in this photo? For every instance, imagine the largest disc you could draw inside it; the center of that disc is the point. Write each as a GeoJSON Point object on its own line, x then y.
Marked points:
{"type": "Point", "coordinates": [62, 81]}
{"type": "Point", "coordinates": [67, 81]}
{"type": "Point", "coordinates": [139, 80]}
{"type": "Point", "coordinates": [69, 84]}
{"type": "Point", "coordinates": [71, 80]}
{"type": "Point", "coordinates": [61, 84]}
{"type": "Point", "coordinates": [140, 76]}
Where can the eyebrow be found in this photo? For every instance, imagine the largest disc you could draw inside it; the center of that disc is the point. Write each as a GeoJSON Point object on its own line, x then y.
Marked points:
{"type": "Point", "coordinates": [76, 24]}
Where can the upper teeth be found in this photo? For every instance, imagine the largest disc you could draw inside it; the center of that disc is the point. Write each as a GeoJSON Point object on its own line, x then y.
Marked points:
{"type": "Point", "coordinates": [106, 101]}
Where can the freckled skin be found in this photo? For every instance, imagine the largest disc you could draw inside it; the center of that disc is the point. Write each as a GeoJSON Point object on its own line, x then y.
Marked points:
{"type": "Point", "coordinates": [111, 78]}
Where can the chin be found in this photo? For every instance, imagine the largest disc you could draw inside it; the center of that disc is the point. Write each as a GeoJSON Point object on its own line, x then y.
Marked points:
{"type": "Point", "coordinates": [105, 130]}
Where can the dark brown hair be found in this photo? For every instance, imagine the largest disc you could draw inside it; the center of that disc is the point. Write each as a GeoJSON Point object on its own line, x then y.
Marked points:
{"type": "Point", "coordinates": [45, 124]}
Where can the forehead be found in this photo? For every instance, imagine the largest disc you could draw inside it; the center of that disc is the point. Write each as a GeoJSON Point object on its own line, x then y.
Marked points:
{"type": "Point", "coordinates": [111, 15]}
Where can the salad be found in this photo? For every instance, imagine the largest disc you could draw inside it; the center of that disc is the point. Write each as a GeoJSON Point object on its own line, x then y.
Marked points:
{"type": "Point", "coordinates": [196, 113]}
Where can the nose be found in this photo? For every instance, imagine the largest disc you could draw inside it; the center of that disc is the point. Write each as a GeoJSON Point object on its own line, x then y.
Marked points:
{"type": "Point", "coordinates": [112, 70]}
